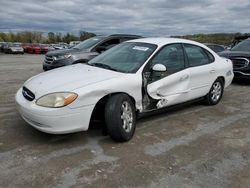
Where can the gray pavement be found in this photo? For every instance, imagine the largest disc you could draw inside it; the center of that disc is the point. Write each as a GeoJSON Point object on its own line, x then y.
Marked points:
{"type": "Point", "coordinates": [191, 146]}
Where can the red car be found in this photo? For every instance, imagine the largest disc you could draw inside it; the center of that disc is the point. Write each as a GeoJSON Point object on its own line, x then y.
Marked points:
{"type": "Point", "coordinates": [44, 48]}
{"type": "Point", "coordinates": [25, 46]}
{"type": "Point", "coordinates": [34, 49]}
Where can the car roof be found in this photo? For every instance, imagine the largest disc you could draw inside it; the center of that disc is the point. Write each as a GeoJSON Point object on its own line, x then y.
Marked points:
{"type": "Point", "coordinates": [163, 41]}
{"type": "Point", "coordinates": [125, 35]}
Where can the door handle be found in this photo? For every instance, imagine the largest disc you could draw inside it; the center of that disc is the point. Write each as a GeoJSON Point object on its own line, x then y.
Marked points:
{"type": "Point", "coordinates": [184, 77]}
{"type": "Point", "coordinates": [212, 71]}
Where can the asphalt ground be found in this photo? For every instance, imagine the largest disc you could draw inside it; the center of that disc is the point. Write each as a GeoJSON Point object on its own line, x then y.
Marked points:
{"type": "Point", "coordinates": [190, 146]}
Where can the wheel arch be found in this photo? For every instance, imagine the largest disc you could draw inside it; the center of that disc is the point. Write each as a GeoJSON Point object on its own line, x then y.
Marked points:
{"type": "Point", "coordinates": [100, 105]}
{"type": "Point", "coordinates": [222, 78]}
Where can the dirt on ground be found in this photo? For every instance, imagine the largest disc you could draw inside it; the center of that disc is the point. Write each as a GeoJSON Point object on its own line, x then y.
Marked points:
{"type": "Point", "coordinates": [190, 146]}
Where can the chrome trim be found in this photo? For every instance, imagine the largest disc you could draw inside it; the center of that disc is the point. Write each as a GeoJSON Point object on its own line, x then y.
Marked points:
{"type": "Point", "coordinates": [245, 74]}
{"type": "Point", "coordinates": [49, 59]}
{"type": "Point", "coordinates": [242, 65]}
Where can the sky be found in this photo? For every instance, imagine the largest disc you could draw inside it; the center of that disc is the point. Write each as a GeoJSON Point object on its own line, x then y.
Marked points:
{"type": "Point", "coordinates": [144, 17]}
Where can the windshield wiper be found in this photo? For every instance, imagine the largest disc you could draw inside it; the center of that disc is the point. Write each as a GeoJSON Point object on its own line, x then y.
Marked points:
{"type": "Point", "coordinates": [105, 66]}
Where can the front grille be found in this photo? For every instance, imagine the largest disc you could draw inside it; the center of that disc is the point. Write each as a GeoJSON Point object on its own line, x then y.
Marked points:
{"type": "Point", "coordinates": [49, 59]}
{"type": "Point", "coordinates": [240, 62]}
{"type": "Point", "coordinates": [28, 94]}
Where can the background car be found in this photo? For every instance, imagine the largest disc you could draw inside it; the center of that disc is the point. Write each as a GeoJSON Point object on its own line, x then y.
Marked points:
{"type": "Point", "coordinates": [26, 46]}
{"type": "Point", "coordinates": [239, 38]}
{"type": "Point", "coordinates": [59, 46]}
{"type": "Point", "coordinates": [5, 47]}
{"type": "Point", "coordinates": [84, 51]}
{"type": "Point", "coordinates": [240, 56]}
{"type": "Point", "coordinates": [44, 48]}
{"type": "Point", "coordinates": [1, 46]}
{"type": "Point", "coordinates": [34, 49]}
{"type": "Point", "coordinates": [216, 47]}
{"type": "Point", "coordinates": [73, 43]}
{"type": "Point", "coordinates": [132, 78]}
{"type": "Point", "coordinates": [15, 48]}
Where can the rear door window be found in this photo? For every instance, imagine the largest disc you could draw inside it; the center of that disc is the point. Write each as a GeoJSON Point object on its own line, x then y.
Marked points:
{"type": "Point", "coordinates": [197, 56]}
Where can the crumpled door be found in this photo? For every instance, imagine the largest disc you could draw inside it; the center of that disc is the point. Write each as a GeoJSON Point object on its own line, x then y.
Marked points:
{"type": "Point", "coordinates": [170, 90]}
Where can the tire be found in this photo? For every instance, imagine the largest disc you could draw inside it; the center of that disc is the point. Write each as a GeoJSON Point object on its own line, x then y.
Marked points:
{"type": "Point", "coordinates": [215, 94]}
{"type": "Point", "coordinates": [120, 117]}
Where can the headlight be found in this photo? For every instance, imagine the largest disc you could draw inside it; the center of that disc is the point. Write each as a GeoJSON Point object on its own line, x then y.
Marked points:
{"type": "Point", "coordinates": [66, 56]}
{"type": "Point", "coordinates": [56, 100]}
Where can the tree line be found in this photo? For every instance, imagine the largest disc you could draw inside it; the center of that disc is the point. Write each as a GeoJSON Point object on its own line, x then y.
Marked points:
{"type": "Point", "coordinates": [217, 38]}
{"type": "Point", "coordinates": [52, 37]}
{"type": "Point", "coordinates": [39, 37]}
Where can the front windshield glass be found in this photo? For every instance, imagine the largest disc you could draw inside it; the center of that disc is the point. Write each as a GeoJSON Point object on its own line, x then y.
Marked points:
{"type": "Point", "coordinates": [15, 45]}
{"type": "Point", "coordinates": [88, 43]}
{"type": "Point", "coordinates": [126, 57]}
{"type": "Point", "coordinates": [242, 46]}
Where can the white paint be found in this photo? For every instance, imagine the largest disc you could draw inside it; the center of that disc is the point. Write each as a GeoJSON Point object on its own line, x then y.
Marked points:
{"type": "Point", "coordinates": [93, 83]}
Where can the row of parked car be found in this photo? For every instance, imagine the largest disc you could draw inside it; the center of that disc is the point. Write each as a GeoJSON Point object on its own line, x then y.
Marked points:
{"type": "Point", "coordinates": [117, 78]}
{"type": "Point", "coordinates": [88, 49]}
{"type": "Point", "coordinates": [32, 48]}
{"type": "Point", "coordinates": [11, 48]}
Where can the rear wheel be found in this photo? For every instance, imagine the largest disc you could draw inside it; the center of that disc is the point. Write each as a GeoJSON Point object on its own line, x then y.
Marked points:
{"type": "Point", "coordinates": [120, 118]}
{"type": "Point", "coordinates": [215, 94]}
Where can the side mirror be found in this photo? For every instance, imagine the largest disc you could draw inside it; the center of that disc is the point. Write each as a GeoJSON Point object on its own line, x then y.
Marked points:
{"type": "Point", "coordinates": [159, 68]}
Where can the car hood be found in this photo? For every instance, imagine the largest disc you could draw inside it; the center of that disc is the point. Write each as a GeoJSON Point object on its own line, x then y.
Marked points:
{"type": "Point", "coordinates": [229, 54]}
{"type": "Point", "coordinates": [16, 48]}
{"type": "Point", "coordinates": [68, 78]}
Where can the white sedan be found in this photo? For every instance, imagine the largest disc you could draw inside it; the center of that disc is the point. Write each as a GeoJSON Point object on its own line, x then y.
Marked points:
{"type": "Point", "coordinates": [134, 77]}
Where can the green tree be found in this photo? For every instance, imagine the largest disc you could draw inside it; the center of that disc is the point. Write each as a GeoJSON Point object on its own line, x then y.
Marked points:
{"type": "Point", "coordinates": [51, 37]}
{"type": "Point", "coordinates": [86, 35]}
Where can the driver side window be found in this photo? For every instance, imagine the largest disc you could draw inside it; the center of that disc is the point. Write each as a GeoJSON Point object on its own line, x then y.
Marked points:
{"type": "Point", "coordinates": [110, 43]}
{"type": "Point", "coordinates": [172, 57]}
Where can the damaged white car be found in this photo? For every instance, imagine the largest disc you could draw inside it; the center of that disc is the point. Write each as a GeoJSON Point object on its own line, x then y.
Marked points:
{"type": "Point", "coordinates": [132, 78]}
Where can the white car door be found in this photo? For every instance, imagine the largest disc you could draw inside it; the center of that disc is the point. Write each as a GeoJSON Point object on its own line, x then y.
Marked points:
{"type": "Point", "coordinates": [169, 87]}
{"type": "Point", "coordinates": [202, 70]}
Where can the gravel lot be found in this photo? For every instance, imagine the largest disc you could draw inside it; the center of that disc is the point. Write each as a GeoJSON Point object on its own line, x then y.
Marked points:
{"type": "Point", "coordinates": [192, 146]}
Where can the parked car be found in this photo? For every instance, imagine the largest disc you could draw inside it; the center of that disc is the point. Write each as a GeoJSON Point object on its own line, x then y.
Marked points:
{"type": "Point", "coordinates": [5, 47]}
{"type": "Point", "coordinates": [216, 47]}
{"type": "Point", "coordinates": [132, 78]}
{"type": "Point", "coordinates": [73, 43]}
{"type": "Point", "coordinates": [239, 38]}
{"type": "Point", "coordinates": [34, 49]}
{"type": "Point", "coordinates": [14, 48]}
{"type": "Point", "coordinates": [44, 48]}
{"type": "Point", "coordinates": [26, 46]}
{"type": "Point", "coordinates": [59, 46]}
{"type": "Point", "coordinates": [84, 51]}
{"type": "Point", "coordinates": [2, 46]}
{"type": "Point", "coordinates": [240, 56]}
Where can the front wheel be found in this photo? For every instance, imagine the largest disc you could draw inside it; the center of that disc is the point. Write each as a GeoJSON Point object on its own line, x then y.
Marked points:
{"type": "Point", "coordinates": [215, 94]}
{"type": "Point", "coordinates": [120, 117]}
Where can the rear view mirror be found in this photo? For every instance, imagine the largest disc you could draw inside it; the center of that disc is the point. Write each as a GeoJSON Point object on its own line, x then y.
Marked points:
{"type": "Point", "coordinates": [159, 68]}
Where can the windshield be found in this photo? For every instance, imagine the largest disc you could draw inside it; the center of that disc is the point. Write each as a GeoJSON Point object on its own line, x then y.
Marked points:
{"type": "Point", "coordinates": [15, 45]}
{"type": "Point", "coordinates": [126, 57]}
{"type": "Point", "coordinates": [242, 46]}
{"type": "Point", "coordinates": [88, 43]}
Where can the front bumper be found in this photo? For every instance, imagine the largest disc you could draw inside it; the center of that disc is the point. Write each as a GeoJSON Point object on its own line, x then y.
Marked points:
{"type": "Point", "coordinates": [54, 120]}
{"type": "Point", "coordinates": [56, 64]}
{"type": "Point", "coordinates": [241, 74]}
{"type": "Point", "coordinates": [47, 67]}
